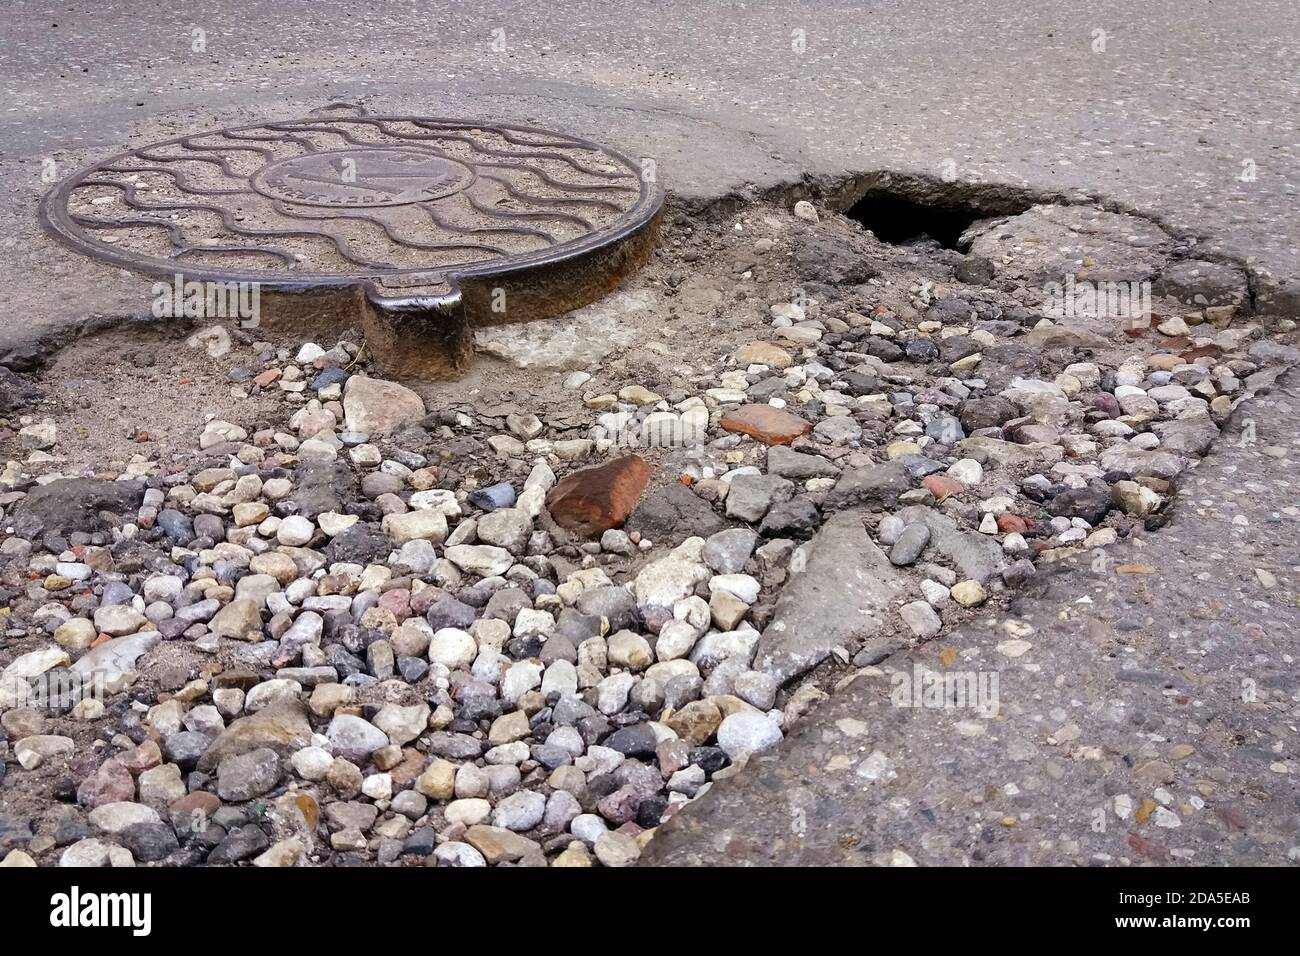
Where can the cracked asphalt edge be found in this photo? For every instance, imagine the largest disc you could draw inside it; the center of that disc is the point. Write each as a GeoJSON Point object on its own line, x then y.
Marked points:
{"type": "Point", "coordinates": [771, 173]}
{"type": "Point", "coordinates": [1147, 705]}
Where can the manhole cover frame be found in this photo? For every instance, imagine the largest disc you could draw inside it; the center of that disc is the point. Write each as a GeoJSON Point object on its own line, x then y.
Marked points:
{"type": "Point", "coordinates": [642, 216]}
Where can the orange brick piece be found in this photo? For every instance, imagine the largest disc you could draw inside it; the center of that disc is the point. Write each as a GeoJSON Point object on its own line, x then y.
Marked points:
{"type": "Point", "coordinates": [1009, 523]}
{"type": "Point", "coordinates": [770, 425]}
{"type": "Point", "coordinates": [591, 501]}
{"type": "Point", "coordinates": [941, 486]}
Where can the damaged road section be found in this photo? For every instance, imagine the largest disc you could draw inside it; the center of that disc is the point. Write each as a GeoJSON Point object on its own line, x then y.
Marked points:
{"type": "Point", "coordinates": [267, 606]}
{"type": "Point", "coordinates": [1144, 710]}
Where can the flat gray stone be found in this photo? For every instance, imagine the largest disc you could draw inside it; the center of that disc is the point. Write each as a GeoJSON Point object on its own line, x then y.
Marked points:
{"type": "Point", "coordinates": [73, 504]}
{"type": "Point", "coordinates": [113, 662]}
{"type": "Point", "coordinates": [873, 485]}
{"type": "Point", "coordinates": [839, 599]}
{"type": "Point", "coordinates": [727, 552]}
{"type": "Point", "coordinates": [672, 514]}
{"type": "Point", "coordinates": [798, 465]}
{"type": "Point", "coordinates": [752, 495]}
{"type": "Point", "coordinates": [1189, 437]}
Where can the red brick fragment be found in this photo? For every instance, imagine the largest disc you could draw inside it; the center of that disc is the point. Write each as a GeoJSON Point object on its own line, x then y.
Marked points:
{"type": "Point", "coordinates": [941, 486]}
{"type": "Point", "coordinates": [1012, 524]}
{"type": "Point", "coordinates": [768, 424]}
{"type": "Point", "coordinates": [591, 501]}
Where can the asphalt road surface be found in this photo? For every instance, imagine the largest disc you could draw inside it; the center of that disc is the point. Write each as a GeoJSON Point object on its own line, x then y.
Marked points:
{"type": "Point", "coordinates": [1183, 110]}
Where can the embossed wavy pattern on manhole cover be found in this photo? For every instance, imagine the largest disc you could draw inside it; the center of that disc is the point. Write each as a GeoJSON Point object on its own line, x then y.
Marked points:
{"type": "Point", "coordinates": [404, 206]}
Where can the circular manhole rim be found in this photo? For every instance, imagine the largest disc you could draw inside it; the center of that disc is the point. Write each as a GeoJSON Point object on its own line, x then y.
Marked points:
{"type": "Point", "coordinates": [54, 216]}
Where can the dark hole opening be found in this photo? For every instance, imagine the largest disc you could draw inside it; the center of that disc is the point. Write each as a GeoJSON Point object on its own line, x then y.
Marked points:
{"type": "Point", "coordinates": [899, 221]}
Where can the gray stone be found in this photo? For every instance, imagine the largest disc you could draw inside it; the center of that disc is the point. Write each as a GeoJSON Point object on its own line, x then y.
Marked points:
{"type": "Point", "coordinates": [921, 618]}
{"type": "Point", "coordinates": [1140, 462]}
{"type": "Point", "coordinates": [355, 739]}
{"type": "Point", "coordinates": [1048, 241]}
{"type": "Point", "coordinates": [321, 486]}
{"type": "Point", "coordinates": [673, 513]}
{"type": "Point", "coordinates": [1198, 282]}
{"type": "Point", "coordinates": [616, 604]}
{"type": "Point", "coordinates": [444, 610]}
{"type": "Point", "coordinates": [727, 552]}
{"type": "Point", "coordinates": [945, 429]}
{"type": "Point", "coordinates": [403, 724]}
{"type": "Point", "coordinates": [872, 485]}
{"type": "Point", "coordinates": [756, 688]}
{"type": "Point", "coordinates": [911, 542]}
{"type": "Point", "coordinates": [453, 853]}
{"type": "Point", "coordinates": [249, 775]}
{"type": "Point", "coordinates": [796, 518]}
{"type": "Point", "coordinates": [116, 817]}
{"type": "Point", "coordinates": [798, 466]}
{"type": "Point", "coordinates": [361, 544]}
{"type": "Point", "coordinates": [747, 732]}
{"type": "Point", "coordinates": [1091, 502]}
{"type": "Point", "coordinates": [73, 504]}
{"type": "Point", "coordinates": [1268, 352]}
{"type": "Point", "coordinates": [149, 842]}
{"type": "Point", "coordinates": [508, 528]}
{"type": "Point", "coordinates": [991, 412]}
{"type": "Point", "coordinates": [974, 555]}
{"type": "Point", "coordinates": [1190, 437]}
{"type": "Point", "coordinates": [838, 429]}
{"type": "Point", "coordinates": [839, 599]}
{"type": "Point", "coordinates": [751, 495]}
{"type": "Point", "coordinates": [282, 727]}
{"type": "Point", "coordinates": [239, 844]}
{"type": "Point", "coordinates": [113, 662]}
{"type": "Point", "coordinates": [520, 811]}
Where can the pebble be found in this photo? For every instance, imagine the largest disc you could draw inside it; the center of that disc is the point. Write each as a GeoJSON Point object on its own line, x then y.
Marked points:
{"type": "Point", "coordinates": [910, 544]}
{"type": "Point", "coordinates": [747, 732]}
{"type": "Point", "coordinates": [616, 849]}
{"type": "Point", "coordinates": [805, 210]}
{"type": "Point", "coordinates": [968, 593]}
{"type": "Point", "coordinates": [921, 618]}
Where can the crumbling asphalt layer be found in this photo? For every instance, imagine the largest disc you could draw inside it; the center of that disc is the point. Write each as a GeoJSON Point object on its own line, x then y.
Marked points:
{"type": "Point", "coordinates": [1147, 704]}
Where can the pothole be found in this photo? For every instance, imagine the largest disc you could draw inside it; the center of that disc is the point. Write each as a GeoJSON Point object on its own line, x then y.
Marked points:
{"type": "Point", "coordinates": [415, 228]}
{"type": "Point", "coordinates": [961, 416]}
{"type": "Point", "coordinates": [899, 221]}
{"type": "Point", "coordinates": [902, 208]}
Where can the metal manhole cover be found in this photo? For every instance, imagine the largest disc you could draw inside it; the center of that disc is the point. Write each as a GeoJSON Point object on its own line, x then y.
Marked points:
{"type": "Point", "coordinates": [372, 176]}
{"type": "Point", "coordinates": [408, 207]}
